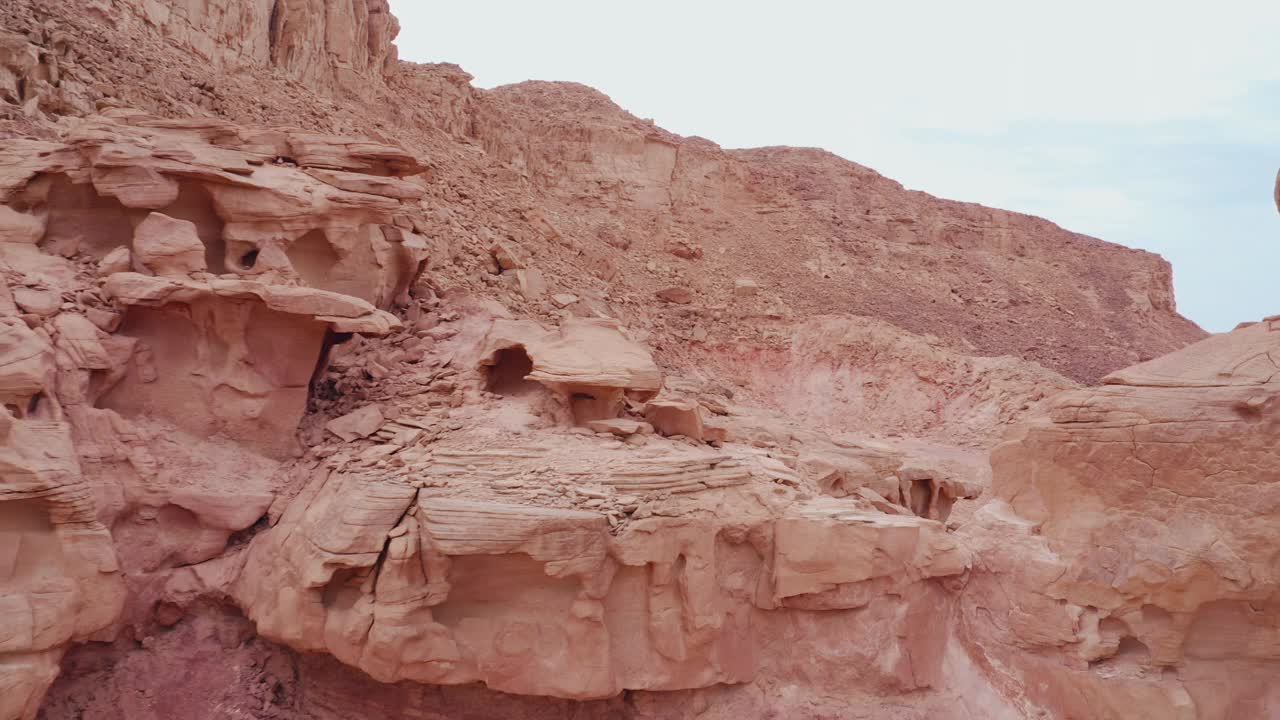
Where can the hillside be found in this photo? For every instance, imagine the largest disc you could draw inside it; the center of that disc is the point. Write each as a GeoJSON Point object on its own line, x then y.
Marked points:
{"type": "Point", "coordinates": [332, 386]}
{"type": "Point", "coordinates": [602, 198]}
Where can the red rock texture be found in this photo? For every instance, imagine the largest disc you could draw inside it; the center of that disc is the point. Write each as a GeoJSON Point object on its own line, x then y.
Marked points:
{"type": "Point", "coordinates": [335, 387]}
{"type": "Point", "coordinates": [1133, 535]}
{"type": "Point", "coordinates": [603, 197]}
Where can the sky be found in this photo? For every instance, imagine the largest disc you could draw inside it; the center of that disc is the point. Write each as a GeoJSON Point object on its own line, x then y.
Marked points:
{"type": "Point", "coordinates": [1150, 124]}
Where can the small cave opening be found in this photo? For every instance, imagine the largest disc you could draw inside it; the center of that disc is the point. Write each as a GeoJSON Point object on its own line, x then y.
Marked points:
{"type": "Point", "coordinates": [508, 373]}
{"type": "Point", "coordinates": [322, 387]}
{"type": "Point", "coordinates": [1130, 653]}
{"type": "Point", "coordinates": [581, 402]}
{"type": "Point", "coordinates": [343, 589]}
{"type": "Point", "coordinates": [595, 403]}
{"type": "Point", "coordinates": [38, 407]}
{"type": "Point", "coordinates": [82, 221]}
{"type": "Point", "coordinates": [583, 406]}
{"type": "Point", "coordinates": [249, 259]}
{"type": "Point", "coordinates": [273, 32]}
{"type": "Point", "coordinates": [1133, 649]}
{"type": "Point", "coordinates": [921, 497]}
{"type": "Point", "coordinates": [1129, 650]}
{"type": "Point", "coordinates": [99, 382]}
{"type": "Point", "coordinates": [241, 538]}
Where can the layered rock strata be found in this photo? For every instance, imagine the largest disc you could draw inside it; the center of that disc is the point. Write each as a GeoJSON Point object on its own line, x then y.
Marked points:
{"type": "Point", "coordinates": [1129, 551]}
{"type": "Point", "coordinates": [167, 292]}
{"type": "Point", "coordinates": [510, 545]}
{"type": "Point", "coordinates": [656, 430]}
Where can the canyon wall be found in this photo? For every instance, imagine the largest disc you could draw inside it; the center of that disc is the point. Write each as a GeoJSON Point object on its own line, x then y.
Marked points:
{"type": "Point", "coordinates": [48, 57]}
{"type": "Point", "coordinates": [334, 387]}
{"type": "Point", "coordinates": [815, 232]}
{"type": "Point", "coordinates": [617, 208]}
{"type": "Point", "coordinates": [1130, 547]}
{"type": "Point", "coordinates": [168, 290]}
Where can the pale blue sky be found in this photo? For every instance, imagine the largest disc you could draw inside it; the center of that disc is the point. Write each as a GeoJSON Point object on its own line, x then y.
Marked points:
{"type": "Point", "coordinates": [1151, 124]}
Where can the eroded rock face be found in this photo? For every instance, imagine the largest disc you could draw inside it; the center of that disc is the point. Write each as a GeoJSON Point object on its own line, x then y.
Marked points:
{"type": "Point", "coordinates": [428, 584]}
{"type": "Point", "coordinates": [1133, 538]}
{"type": "Point", "coordinates": [589, 365]}
{"type": "Point", "coordinates": [620, 453]}
{"type": "Point", "coordinates": [247, 251]}
{"type": "Point", "coordinates": [59, 577]}
{"type": "Point", "coordinates": [342, 45]}
{"type": "Point", "coordinates": [625, 193]}
{"type": "Point", "coordinates": [163, 307]}
{"type": "Point", "coordinates": [492, 541]}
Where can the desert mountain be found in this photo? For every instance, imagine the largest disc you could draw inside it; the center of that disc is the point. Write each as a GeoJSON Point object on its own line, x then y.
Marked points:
{"type": "Point", "coordinates": [337, 387]}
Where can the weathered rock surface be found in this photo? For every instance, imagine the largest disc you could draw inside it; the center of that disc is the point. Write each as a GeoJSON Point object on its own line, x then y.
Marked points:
{"type": "Point", "coordinates": [580, 418]}
{"type": "Point", "coordinates": [144, 414]}
{"type": "Point", "coordinates": [578, 566]}
{"type": "Point", "coordinates": [59, 577]}
{"type": "Point", "coordinates": [817, 232]}
{"type": "Point", "coordinates": [1132, 539]}
{"type": "Point", "coordinates": [496, 541]}
{"type": "Point", "coordinates": [589, 364]}
{"type": "Point", "coordinates": [341, 46]}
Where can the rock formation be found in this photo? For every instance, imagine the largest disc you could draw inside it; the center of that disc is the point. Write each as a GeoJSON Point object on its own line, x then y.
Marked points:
{"type": "Point", "coordinates": [335, 387]}
{"type": "Point", "coordinates": [166, 301]}
{"type": "Point", "coordinates": [1132, 536]}
{"type": "Point", "coordinates": [58, 567]}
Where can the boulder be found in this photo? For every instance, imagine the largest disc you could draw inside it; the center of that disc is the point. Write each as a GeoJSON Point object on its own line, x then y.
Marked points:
{"type": "Point", "coordinates": [506, 256]}
{"type": "Point", "coordinates": [18, 227]}
{"type": "Point", "coordinates": [357, 424]}
{"type": "Point", "coordinates": [117, 260]}
{"type": "Point", "coordinates": [562, 300]}
{"type": "Point", "coordinates": [744, 287]}
{"type": "Point", "coordinates": [167, 246]}
{"type": "Point", "coordinates": [675, 417]}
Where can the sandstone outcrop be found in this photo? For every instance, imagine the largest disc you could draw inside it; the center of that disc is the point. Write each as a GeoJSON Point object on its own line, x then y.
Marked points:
{"type": "Point", "coordinates": [540, 560]}
{"type": "Point", "coordinates": [59, 577]}
{"type": "Point", "coordinates": [238, 294]}
{"type": "Point", "coordinates": [589, 364]}
{"type": "Point", "coordinates": [580, 418]}
{"type": "Point", "coordinates": [1132, 541]}
{"type": "Point", "coordinates": [343, 46]}
{"type": "Point", "coordinates": [815, 231]}
{"type": "Point", "coordinates": [252, 251]}
{"type": "Point", "coordinates": [500, 541]}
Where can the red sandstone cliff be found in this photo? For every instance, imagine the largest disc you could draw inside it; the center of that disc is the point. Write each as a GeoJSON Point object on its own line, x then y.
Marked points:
{"type": "Point", "coordinates": [603, 195]}
{"type": "Point", "coordinates": [323, 372]}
